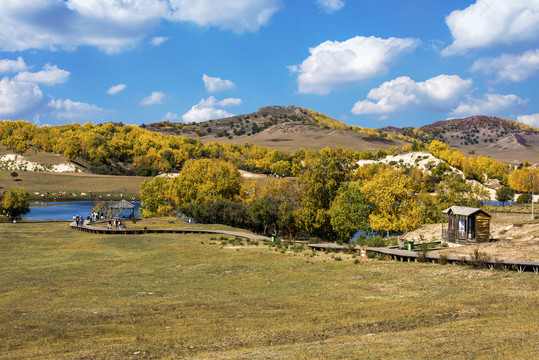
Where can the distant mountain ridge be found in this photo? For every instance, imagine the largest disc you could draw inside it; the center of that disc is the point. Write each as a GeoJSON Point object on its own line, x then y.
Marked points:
{"type": "Point", "coordinates": [290, 128]}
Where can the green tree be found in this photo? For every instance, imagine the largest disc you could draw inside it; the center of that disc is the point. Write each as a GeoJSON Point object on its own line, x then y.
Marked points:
{"type": "Point", "coordinates": [323, 175]}
{"type": "Point", "coordinates": [504, 194]}
{"type": "Point", "coordinates": [350, 211]}
{"type": "Point", "coordinates": [14, 175]}
{"type": "Point", "coordinates": [15, 203]}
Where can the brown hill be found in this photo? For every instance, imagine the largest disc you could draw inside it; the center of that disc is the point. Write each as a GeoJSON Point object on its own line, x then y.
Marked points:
{"type": "Point", "coordinates": [286, 128]}
{"type": "Point", "coordinates": [290, 128]}
{"type": "Point", "coordinates": [292, 136]}
{"type": "Point", "coordinates": [502, 139]}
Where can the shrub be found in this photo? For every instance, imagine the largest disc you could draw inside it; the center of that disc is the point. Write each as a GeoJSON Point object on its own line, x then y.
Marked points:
{"type": "Point", "coordinates": [479, 259]}
{"type": "Point", "coordinates": [524, 199]}
{"type": "Point", "coordinates": [442, 260]}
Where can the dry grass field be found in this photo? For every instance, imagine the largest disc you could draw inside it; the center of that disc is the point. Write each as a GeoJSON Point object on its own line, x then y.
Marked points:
{"type": "Point", "coordinates": [291, 137]}
{"type": "Point", "coordinates": [71, 295]}
{"type": "Point", "coordinates": [77, 183]}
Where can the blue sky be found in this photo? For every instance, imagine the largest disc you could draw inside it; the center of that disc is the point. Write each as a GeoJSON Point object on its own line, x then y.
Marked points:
{"type": "Point", "coordinates": [370, 63]}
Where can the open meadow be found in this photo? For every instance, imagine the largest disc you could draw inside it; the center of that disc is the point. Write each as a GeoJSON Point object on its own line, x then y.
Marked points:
{"type": "Point", "coordinates": [76, 183]}
{"type": "Point", "coordinates": [66, 294]}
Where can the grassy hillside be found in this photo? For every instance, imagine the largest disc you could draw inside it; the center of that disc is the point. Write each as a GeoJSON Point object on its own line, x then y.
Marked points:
{"type": "Point", "coordinates": [70, 295]}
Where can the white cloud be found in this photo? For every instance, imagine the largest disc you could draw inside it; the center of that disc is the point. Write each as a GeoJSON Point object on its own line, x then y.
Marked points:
{"type": "Point", "coordinates": [51, 75]}
{"type": "Point", "coordinates": [440, 93]}
{"type": "Point", "coordinates": [111, 25]}
{"type": "Point", "coordinates": [490, 22]}
{"type": "Point", "coordinates": [68, 109]}
{"type": "Point", "coordinates": [113, 90]}
{"type": "Point", "coordinates": [156, 97]}
{"type": "Point", "coordinates": [158, 40]}
{"type": "Point", "coordinates": [214, 84]}
{"type": "Point", "coordinates": [489, 104]}
{"type": "Point", "coordinates": [335, 65]}
{"type": "Point", "coordinates": [330, 6]}
{"type": "Point", "coordinates": [532, 120]}
{"type": "Point", "coordinates": [22, 98]}
{"type": "Point", "coordinates": [210, 108]}
{"type": "Point", "coordinates": [509, 67]}
{"type": "Point", "coordinates": [236, 15]}
{"type": "Point", "coordinates": [119, 11]}
{"type": "Point", "coordinates": [19, 100]}
{"type": "Point", "coordinates": [116, 25]}
{"type": "Point", "coordinates": [7, 66]}
{"type": "Point", "coordinates": [170, 117]}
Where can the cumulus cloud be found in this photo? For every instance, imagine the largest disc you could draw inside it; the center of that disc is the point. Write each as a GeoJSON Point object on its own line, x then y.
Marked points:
{"type": "Point", "coordinates": [532, 119]}
{"type": "Point", "coordinates": [439, 93]}
{"type": "Point", "coordinates": [115, 25]}
{"type": "Point", "coordinates": [330, 6]}
{"type": "Point", "coordinates": [335, 65]}
{"type": "Point", "coordinates": [19, 100]}
{"type": "Point", "coordinates": [156, 97]}
{"type": "Point", "coordinates": [509, 67]}
{"type": "Point", "coordinates": [22, 98]}
{"type": "Point", "coordinates": [214, 84]}
{"type": "Point", "coordinates": [210, 108]}
{"type": "Point", "coordinates": [236, 15]}
{"type": "Point", "coordinates": [50, 75]}
{"type": "Point", "coordinates": [491, 22]}
{"type": "Point", "coordinates": [113, 90]}
{"type": "Point", "coordinates": [158, 40]}
{"type": "Point", "coordinates": [68, 109]}
{"type": "Point", "coordinates": [8, 66]}
{"type": "Point", "coordinates": [489, 104]}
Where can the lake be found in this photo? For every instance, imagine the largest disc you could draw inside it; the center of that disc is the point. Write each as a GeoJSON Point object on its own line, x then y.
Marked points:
{"type": "Point", "coordinates": [66, 210]}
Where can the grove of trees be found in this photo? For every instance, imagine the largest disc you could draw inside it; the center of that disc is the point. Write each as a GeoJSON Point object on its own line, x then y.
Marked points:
{"type": "Point", "coordinates": [14, 203]}
{"type": "Point", "coordinates": [331, 199]}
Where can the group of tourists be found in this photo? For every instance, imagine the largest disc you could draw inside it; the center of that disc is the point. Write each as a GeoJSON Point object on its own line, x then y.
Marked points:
{"type": "Point", "coordinates": [117, 224]}
{"type": "Point", "coordinates": [96, 215]}
{"type": "Point", "coordinates": [79, 220]}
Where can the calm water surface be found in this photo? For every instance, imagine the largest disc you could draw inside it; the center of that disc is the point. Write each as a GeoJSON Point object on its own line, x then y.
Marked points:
{"type": "Point", "coordinates": [66, 210]}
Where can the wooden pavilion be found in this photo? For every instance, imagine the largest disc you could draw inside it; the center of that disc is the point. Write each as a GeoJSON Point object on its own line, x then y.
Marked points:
{"type": "Point", "coordinates": [122, 205]}
{"type": "Point", "coordinates": [465, 225]}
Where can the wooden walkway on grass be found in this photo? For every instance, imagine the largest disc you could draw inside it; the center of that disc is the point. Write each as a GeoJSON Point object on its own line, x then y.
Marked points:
{"type": "Point", "coordinates": [99, 230]}
{"type": "Point", "coordinates": [408, 256]}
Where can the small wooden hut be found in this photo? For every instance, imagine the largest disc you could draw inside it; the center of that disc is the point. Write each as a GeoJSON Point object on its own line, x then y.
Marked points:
{"type": "Point", "coordinates": [123, 204]}
{"type": "Point", "coordinates": [465, 224]}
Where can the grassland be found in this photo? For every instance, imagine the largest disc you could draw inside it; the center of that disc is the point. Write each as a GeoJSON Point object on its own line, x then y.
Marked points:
{"type": "Point", "coordinates": [66, 294]}
{"type": "Point", "coordinates": [76, 183]}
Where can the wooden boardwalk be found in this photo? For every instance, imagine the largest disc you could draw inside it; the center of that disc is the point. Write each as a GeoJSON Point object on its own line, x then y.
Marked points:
{"type": "Point", "coordinates": [408, 256]}
{"type": "Point", "coordinates": [391, 253]}
{"type": "Point", "coordinates": [99, 230]}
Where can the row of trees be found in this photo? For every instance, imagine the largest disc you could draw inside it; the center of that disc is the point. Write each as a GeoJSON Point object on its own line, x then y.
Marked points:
{"type": "Point", "coordinates": [332, 198]}
{"type": "Point", "coordinates": [151, 152]}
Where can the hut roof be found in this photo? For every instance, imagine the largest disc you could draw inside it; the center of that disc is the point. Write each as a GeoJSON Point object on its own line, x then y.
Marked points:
{"type": "Point", "coordinates": [463, 210]}
{"type": "Point", "coordinates": [122, 204]}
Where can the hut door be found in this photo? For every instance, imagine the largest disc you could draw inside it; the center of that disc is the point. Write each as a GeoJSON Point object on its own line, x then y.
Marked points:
{"type": "Point", "coordinates": [462, 229]}
{"type": "Point", "coordinates": [471, 228]}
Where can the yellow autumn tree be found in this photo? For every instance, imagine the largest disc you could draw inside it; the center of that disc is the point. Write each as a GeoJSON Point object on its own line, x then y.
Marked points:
{"type": "Point", "coordinates": [395, 205]}
{"type": "Point", "coordinates": [525, 180]}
